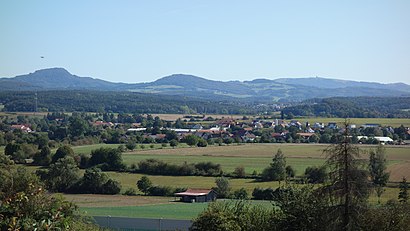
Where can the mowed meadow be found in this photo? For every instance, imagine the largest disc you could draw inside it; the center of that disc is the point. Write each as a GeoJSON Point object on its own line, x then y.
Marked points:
{"type": "Point", "coordinates": [255, 157]}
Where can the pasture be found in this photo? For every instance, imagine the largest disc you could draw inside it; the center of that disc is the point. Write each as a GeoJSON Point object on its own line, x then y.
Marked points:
{"type": "Point", "coordinates": [161, 207]}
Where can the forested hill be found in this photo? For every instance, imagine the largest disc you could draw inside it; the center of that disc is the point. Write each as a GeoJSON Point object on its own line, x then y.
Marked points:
{"type": "Point", "coordinates": [258, 90]}
{"type": "Point", "coordinates": [360, 107]}
{"type": "Point", "coordinates": [127, 102]}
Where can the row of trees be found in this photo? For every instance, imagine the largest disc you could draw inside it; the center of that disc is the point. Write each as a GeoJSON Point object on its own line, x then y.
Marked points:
{"type": "Point", "coordinates": [64, 176]}
{"type": "Point", "coordinates": [158, 167]}
{"type": "Point", "coordinates": [125, 102]}
{"type": "Point", "coordinates": [352, 107]}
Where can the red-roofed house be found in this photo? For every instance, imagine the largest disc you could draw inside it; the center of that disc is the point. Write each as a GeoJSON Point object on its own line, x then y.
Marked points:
{"type": "Point", "coordinates": [197, 195]}
{"type": "Point", "coordinates": [22, 127]}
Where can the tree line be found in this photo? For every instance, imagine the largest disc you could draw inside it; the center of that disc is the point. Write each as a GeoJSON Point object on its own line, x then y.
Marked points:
{"type": "Point", "coordinates": [352, 107]}
{"type": "Point", "coordinates": [120, 102]}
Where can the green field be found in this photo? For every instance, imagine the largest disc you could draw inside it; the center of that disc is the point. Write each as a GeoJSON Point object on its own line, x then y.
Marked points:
{"type": "Point", "coordinates": [179, 210]}
{"type": "Point", "coordinates": [171, 210]}
{"type": "Point", "coordinates": [86, 149]}
{"type": "Point", "coordinates": [176, 210]}
{"type": "Point", "coordinates": [255, 157]}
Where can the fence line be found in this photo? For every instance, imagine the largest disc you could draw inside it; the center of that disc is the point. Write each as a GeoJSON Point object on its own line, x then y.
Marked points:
{"type": "Point", "coordinates": [146, 224]}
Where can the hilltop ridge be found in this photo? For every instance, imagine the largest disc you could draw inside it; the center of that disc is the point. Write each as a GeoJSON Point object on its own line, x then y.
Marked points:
{"type": "Point", "coordinates": [262, 89]}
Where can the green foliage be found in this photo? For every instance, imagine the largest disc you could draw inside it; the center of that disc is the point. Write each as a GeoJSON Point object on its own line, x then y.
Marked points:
{"type": "Point", "coordinates": [25, 205]}
{"type": "Point", "coordinates": [241, 216]}
{"type": "Point", "coordinates": [62, 152]}
{"type": "Point", "coordinates": [19, 152]}
{"type": "Point", "coordinates": [353, 107]}
{"type": "Point", "coordinates": [11, 148]}
{"type": "Point", "coordinates": [77, 126]}
{"type": "Point", "coordinates": [121, 101]}
{"type": "Point", "coordinates": [223, 187]}
{"type": "Point", "coordinates": [93, 181]}
{"type": "Point", "coordinates": [403, 194]}
{"type": "Point", "coordinates": [202, 142]}
{"type": "Point", "coordinates": [43, 157]}
{"type": "Point", "coordinates": [131, 145]}
{"type": "Point", "coordinates": [241, 194]}
{"type": "Point", "coordinates": [173, 143]}
{"type": "Point", "coordinates": [391, 216]}
{"type": "Point", "coordinates": [302, 208]}
{"type": "Point", "coordinates": [290, 172]}
{"type": "Point", "coordinates": [62, 175]}
{"type": "Point", "coordinates": [348, 181]}
{"type": "Point", "coordinates": [191, 140]}
{"type": "Point", "coordinates": [130, 192]}
{"type": "Point", "coordinates": [263, 194]}
{"type": "Point", "coordinates": [316, 175]}
{"type": "Point", "coordinates": [144, 184]}
{"type": "Point", "coordinates": [277, 169]}
{"type": "Point", "coordinates": [377, 169]}
{"type": "Point", "coordinates": [239, 172]}
{"type": "Point", "coordinates": [111, 187]}
{"type": "Point", "coordinates": [158, 167]}
{"type": "Point", "coordinates": [107, 159]}
{"type": "Point", "coordinates": [161, 191]}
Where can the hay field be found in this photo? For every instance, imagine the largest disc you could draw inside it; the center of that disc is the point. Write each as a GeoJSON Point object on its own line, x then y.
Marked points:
{"type": "Point", "coordinates": [255, 157]}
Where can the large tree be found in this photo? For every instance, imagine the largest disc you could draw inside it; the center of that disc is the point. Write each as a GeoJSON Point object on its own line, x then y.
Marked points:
{"type": "Point", "coordinates": [377, 168]}
{"type": "Point", "coordinates": [223, 187]}
{"type": "Point", "coordinates": [348, 185]}
{"type": "Point", "coordinates": [62, 175]}
{"type": "Point", "coordinates": [107, 159]}
{"type": "Point", "coordinates": [62, 152]}
{"type": "Point", "coordinates": [277, 169]}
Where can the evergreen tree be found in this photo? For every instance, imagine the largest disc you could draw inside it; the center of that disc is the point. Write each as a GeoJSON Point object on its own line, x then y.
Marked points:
{"type": "Point", "coordinates": [403, 194]}
{"type": "Point", "coordinates": [348, 186]}
{"type": "Point", "coordinates": [377, 168]}
{"type": "Point", "coordinates": [277, 169]}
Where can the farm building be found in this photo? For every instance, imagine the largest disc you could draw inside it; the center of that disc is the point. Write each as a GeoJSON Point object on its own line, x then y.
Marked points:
{"type": "Point", "coordinates": [197, 195]}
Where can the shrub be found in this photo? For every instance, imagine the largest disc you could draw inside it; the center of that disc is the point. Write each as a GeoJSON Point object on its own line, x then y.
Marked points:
{"type": "Point", "coordinates": [130, 192]}
{"type": "Point", "coordinates": [161, 191]}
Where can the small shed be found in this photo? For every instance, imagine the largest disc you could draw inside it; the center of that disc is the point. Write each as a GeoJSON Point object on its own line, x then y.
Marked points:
{"type": "Point", "coordinates": [197, 195]}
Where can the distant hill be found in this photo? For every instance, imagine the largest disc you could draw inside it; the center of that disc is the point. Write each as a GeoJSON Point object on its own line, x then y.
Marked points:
{"type": "Point", "coordinates": [53, 78]}
{"type": "Point", "coordinates": [258, 90]}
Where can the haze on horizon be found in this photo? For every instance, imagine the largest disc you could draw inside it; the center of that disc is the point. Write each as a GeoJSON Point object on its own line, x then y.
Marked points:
{"type": "Point", "coordinates": [141, 41]}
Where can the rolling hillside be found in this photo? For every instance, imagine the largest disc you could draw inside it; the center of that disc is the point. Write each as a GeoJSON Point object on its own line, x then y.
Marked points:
{"type": "Point", "coordinates": [258, 90]}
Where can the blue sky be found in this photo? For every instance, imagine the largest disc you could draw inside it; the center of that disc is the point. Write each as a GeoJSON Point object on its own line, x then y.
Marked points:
{"type": "Point", "coordinates": [139, 41]}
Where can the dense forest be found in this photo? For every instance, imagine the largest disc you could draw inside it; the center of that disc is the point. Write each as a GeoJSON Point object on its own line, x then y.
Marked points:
{"type": "Point", "coordinates": [133, 102]}
{"type": "Point", "coordinates": [126, 102]}
{"type": "Point", "coordinates": [354, 107]}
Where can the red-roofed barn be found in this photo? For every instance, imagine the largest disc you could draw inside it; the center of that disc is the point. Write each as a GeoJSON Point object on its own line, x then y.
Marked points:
{"type": "Point", "coordinates": [197, 195]}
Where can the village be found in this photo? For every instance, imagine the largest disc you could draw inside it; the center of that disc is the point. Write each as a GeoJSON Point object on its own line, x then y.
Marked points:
{"type": "Point", "coordinates": [205, 130]}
